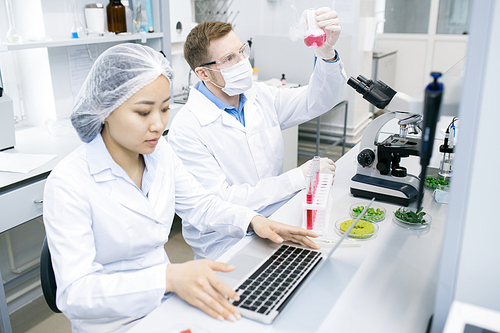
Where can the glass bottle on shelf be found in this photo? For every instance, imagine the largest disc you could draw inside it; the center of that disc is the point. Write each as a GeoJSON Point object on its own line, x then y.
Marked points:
{"type": "Point", "coordinates": [128, 14]}
{"type": "Point", "coordinates": [13, 35]}
{"type": "Point", "coordinates": [117, 21]}
{"type": "Point", "coordinates": [136, 16]}
{"type": "Point", "coordinates": [77, 31]}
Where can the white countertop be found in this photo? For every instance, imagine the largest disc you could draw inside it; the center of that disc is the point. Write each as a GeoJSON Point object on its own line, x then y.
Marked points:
{"type": "Point", "coordinates": [38, 140]}
{"type": "Point", "coordinates": [386, 285]}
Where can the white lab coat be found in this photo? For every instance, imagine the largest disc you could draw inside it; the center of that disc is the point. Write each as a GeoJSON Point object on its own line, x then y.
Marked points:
{"type": "Point", "coordinates": [106, 238]}
{"type": "Point", "coordinates": [244, 164]}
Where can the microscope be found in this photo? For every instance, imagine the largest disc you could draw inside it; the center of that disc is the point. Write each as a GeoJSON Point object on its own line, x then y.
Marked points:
{"type": "Point", "coordinates": [379, 173]}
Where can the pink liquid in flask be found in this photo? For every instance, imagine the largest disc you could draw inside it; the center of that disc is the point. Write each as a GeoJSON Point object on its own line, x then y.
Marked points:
{"type": "Point", "coordinates": [313, 41]}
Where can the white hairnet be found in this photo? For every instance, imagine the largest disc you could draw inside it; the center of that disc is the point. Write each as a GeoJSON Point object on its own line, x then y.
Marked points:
{"type": "Point", "coordinates": [117, 74]}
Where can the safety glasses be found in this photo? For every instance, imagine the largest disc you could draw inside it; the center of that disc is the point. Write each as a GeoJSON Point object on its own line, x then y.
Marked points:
{"type": "Point", "coordinates": [232, 58]}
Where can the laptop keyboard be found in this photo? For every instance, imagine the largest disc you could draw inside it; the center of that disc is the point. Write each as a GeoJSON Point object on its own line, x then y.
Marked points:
{"type": "Point", "coordinates": [273, 282]}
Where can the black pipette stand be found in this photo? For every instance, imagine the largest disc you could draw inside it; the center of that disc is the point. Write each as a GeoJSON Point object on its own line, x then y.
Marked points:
{"type": "Point", "coordinates": [432, 103]}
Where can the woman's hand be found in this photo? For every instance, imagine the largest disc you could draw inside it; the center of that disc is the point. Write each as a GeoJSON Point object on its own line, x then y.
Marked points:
{"type": "Point", "coordinates": [196, 283]}
{"type": "Point", "coordinates": [279, 232]}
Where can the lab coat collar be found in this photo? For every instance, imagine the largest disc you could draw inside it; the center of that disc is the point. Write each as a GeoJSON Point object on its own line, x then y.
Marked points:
{"type": "Point", "coordinates": [210, 112]}
{"type": "Point", "coordinates": [120, 191]}
{"type": "Point", "coordinates": [103, 168]}
{"type": "Point", "coordinates": [99, 160]}
{"type": "Point", "coordinates": [206, 115]}
{"type": "Point", "coordinates": [156, 186]}
{"type": "Point", "coordinates": [250, 108]}
{"type": "Point", "coordinates": [145, 206]}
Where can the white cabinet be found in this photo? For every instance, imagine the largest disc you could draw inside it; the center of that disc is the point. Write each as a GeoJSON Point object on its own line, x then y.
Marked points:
{"type": "Point", "coordinates": [21, 205]}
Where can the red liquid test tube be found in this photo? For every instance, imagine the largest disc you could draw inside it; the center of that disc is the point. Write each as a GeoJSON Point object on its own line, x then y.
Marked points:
{"type": "Point", "coordinates": [309, 200]}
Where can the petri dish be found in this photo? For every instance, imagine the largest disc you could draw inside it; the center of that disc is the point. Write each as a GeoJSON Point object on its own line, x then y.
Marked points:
{"type": "Point", "coordinates": [372, 218]}
{"type": "Point", "coordinates": [351, 236]}
{"type": "Point", "coordinates": [411, 225]}
{"type": "Point", "coordinates": [437, 183]}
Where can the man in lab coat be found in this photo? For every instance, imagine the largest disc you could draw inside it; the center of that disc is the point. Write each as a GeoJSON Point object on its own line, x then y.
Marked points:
{"type": "Point", "coordinates": [228, 134]}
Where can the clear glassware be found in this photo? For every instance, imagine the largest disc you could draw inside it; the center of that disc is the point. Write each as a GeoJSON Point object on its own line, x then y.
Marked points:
{"type": "Point", "coordinates": [446, 165]}
{"type": "Point", "coordinates": [77, 31]}
{"type": "Point", "coordinates": [13, 36]}
{"type": "Point", "coordinates": [136, 17]}
{"type": "Point", "coordinates": [315, 36]}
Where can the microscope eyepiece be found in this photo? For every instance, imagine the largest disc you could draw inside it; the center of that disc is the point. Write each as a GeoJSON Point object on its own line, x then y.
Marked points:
{"type": "Point", "coordinates": [365, 80]}
{"type": "Point", "coordinates": [353, 82]}
{"type": "Point", "coordinates": [360, 87]}
{"type": "Point", "coordinates": [375, 92]}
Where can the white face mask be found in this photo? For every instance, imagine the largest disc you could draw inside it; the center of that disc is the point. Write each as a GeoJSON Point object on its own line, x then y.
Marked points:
{"type": "Point", "coordinates": [238, 78]}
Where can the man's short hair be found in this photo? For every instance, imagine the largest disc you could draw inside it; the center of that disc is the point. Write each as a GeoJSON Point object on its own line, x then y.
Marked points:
{"type": "Point", "coordinates": [198, 40]}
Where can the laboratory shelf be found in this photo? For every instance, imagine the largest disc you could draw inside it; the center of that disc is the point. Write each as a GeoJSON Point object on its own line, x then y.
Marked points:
{"type": "Point", "coordinates": [57, 42]}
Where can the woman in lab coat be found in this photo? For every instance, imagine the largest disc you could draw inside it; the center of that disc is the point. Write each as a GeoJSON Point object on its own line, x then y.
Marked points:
{"type": "Point", "coordinates": [109, 205]}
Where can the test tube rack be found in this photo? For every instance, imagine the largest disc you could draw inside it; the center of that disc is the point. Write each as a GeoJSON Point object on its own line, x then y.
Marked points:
{"type": "Point", "coordinates": [319, 206]}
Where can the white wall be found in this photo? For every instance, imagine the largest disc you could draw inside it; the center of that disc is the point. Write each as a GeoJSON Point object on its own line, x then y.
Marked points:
{"type": "Point", "coordinates": [469, 270]}
{"type": "Point", "coordinates": [418, 55]}
{"type": "Point", "coordinates": [274, 18]}
{"type": "Point", "coordinates": [478, 280]}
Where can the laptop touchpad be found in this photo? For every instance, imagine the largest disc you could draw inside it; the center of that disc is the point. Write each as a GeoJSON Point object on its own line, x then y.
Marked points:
{"type": "Point", "coordinates": [244, 264]}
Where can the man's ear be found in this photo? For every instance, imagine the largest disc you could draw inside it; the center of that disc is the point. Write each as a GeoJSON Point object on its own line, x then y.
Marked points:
{"type": "Point", "coordinates": [201, 73]}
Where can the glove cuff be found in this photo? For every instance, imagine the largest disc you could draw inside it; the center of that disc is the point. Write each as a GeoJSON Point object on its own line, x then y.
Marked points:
{"type": "Point", "coordinates": [325, 54]}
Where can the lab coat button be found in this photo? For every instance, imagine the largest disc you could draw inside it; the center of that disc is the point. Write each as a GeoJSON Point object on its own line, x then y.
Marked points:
{"type": "Point", "coordinates": [156, 246]}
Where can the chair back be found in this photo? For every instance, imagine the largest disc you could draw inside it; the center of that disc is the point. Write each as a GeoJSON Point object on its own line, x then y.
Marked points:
{"type": "Point", "coordinates": [47, 277]}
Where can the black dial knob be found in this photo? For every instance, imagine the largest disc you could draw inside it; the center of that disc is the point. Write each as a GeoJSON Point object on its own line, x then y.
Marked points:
{"type": "Point", "coordinates": [383, 168]}
{"type": "Point", "coordinates": [399, 172]}
{"type": "Point", "coordinates": [366, 157]}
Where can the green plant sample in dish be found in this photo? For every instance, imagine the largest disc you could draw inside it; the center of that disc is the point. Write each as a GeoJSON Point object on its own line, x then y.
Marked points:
{"type": "Point", "coordinates": [435, 183]}
{"type": "Point", "coordinates": [371, 213]}
{"type": "Point", "coordinates": [361, 228]}
{"type": "Point", "coordinates": [407, 215]}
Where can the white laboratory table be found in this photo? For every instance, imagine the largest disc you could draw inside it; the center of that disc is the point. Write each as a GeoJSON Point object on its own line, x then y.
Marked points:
{"type": "Point", "coordinates": [387, 284]}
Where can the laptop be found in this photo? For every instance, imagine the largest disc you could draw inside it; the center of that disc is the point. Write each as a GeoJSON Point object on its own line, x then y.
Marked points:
{"type": "Point", "coordinates": [270, 276]}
